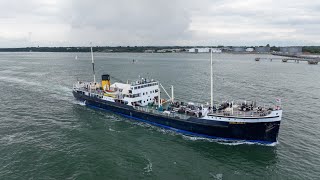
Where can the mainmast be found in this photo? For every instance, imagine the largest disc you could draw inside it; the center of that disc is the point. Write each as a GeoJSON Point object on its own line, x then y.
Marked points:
{"type": "Point", "coordinates": [211, 76]}
{"type": "Point", "coordinates": [94, 74]}
{"type": "Point", "coordinates": [159, 99]}
{"type": "Point", "coordinates": [172, 97]}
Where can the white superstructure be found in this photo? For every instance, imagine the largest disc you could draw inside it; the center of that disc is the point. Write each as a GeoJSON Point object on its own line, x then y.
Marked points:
{"type": "Point", "coordinates": [141, 92]}
{"type": "Point", "coordinates": [138, 93]}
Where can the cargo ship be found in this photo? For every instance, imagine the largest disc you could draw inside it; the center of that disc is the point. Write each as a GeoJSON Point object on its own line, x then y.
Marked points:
{"type": "Point", "coordinates": [141, 100]}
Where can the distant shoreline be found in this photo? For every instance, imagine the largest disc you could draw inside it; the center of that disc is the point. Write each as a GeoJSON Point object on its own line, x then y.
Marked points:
{"type": "Point", "coordinates": [312, 50]}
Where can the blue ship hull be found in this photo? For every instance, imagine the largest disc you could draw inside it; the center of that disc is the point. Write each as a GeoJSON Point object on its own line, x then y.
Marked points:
{"type": "Point", "coordinates": [251, 132]}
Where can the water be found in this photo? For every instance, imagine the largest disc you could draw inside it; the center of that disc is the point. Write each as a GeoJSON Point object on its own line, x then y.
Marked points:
{"type": "Point", "coordinates": [46, 134]}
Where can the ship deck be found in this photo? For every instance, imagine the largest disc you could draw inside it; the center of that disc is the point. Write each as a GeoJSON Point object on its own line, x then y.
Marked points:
{"type": "Point", "coordinates": [231, 112]}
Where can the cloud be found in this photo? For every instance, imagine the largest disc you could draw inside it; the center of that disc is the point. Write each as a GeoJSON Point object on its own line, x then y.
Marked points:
{"type": "Point", "coordinates": [166, 22]}
{"type": "Point", "coordinates": [142, 21]}
{"type": "Point", "coordinates": [256, 22]}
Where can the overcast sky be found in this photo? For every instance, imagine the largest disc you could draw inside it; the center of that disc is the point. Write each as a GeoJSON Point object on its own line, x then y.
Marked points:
{"type": "Point", "coordinates": [162, 22]}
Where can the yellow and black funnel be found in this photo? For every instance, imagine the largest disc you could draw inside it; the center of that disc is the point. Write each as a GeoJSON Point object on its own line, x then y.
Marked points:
{"type": "Point", "coordinates": [105, 83]}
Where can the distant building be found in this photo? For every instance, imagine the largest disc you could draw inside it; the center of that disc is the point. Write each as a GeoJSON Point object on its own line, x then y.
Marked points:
{"type": "Point", "coordinates": [249, 49]}
{"type": "Point", "coordinates": [168, 50]}
{"type": "Point", "coordinates": [216, 50]}
{"type": "Point", "coordinates": [239, 49]}
{"type": "Point", "coordinates": [149, 51]}
{"type": "Point", "coordinates": [192, 50]}
{"type": "Point", "coordinates": [161, 51]}
{"type": "Point", "coordinates": [226, 49]}
{"type": "Point", "coordinates": [265, 49]}
{"type": "Point", "coordinates": [204, 50]}
{"type": "Point", "coordinates": [284, 50]}
{"type": "Point", "coordinates": [199, 50]}
{"type": "Point", "coordinates": [292, 50]}
{"type": "Point", "coordinates": [177, 50]}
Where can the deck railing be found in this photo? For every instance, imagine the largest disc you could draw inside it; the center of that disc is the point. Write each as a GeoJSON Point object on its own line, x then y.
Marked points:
{"type": "Point", "coordinates": [253, 113]}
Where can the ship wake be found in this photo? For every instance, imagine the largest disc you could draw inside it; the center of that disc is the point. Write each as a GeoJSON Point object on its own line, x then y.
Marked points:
{"type": "Point", "coordinates": [226, 141]}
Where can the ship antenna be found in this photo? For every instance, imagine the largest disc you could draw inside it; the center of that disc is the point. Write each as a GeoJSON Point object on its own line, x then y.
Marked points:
{"type": "Point", "coordinates": [211, 76]}
{"type": "Point", "coordinates": [94, 74]}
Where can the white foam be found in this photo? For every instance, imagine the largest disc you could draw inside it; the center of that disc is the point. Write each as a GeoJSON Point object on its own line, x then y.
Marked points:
{"type": "Point", "coordinates": [19, 81]}
{"type": "Point", "coordinates": [8, 138]}
{"type": "Point", "coordinates": [226, 142]}
{"type": "Point", "coordinates": [148, 168]}
{"type": "Point", "coordinates": [112, 130]}
{"type": "Point", "coordinates": [81, 103]}
{"type": "Point", "coordinates": [159, 129]}
{"type": "Point", "coordinates": [57, 92]}
{"type": "Point", "coordinates": [62, 89]}
{"type": "Point", "coordinates": [216, 176]}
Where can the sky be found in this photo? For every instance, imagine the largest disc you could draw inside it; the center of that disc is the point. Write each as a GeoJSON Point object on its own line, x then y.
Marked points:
{"type": "Point", "coordinates": [25, 23]}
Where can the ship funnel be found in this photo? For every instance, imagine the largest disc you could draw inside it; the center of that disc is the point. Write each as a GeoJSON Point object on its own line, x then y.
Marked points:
{"type": "Point", "coordinates": [105, 82]}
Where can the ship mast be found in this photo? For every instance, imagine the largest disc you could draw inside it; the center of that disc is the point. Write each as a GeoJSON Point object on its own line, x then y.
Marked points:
{"type": "Point", "coordinates": [94, 74]}
{"type": "Point", "coordinates": [211, 76]}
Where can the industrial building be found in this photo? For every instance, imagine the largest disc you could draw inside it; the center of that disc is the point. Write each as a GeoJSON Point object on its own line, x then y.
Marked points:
{"type": "Point", "coordinates": [250, 49]}
{"type": "Point", "coordinates": [239, 49]}
{"type": "Point", "coordinates": [264, 49]}
{"type": "Point", "coordinates": [216, 50]}
{"type": "Point", "coordinates": [292, 50]}
{"type": "Point", "coordinates": [204, 50]}
{"type": "Point", "coordinates": [193, 50]}
{"type": "Point", "coordinates": [149, 51]}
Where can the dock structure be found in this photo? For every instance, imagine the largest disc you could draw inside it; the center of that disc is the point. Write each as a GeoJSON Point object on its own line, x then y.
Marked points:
{"type": "Point", "coordinates": [310, 60]}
